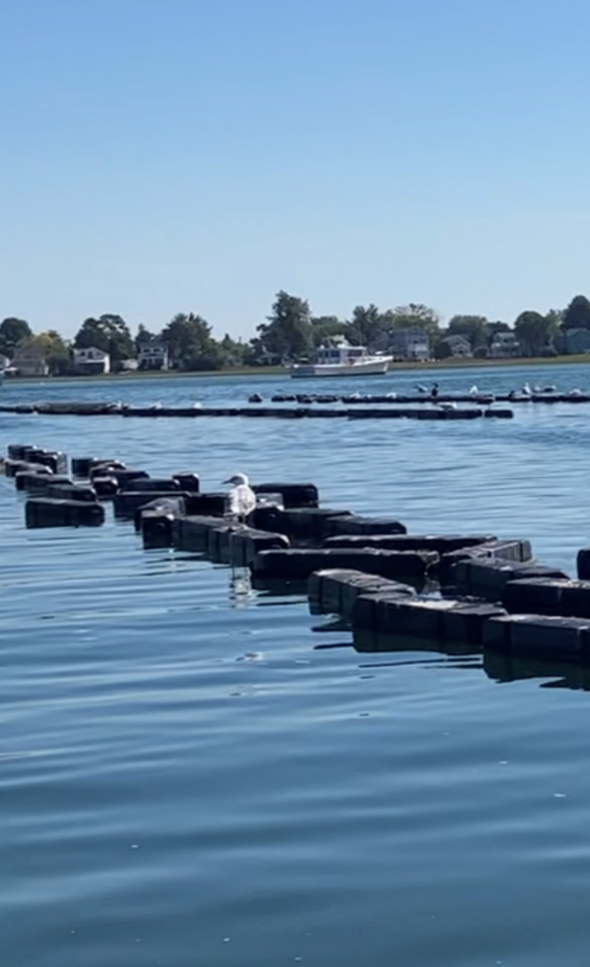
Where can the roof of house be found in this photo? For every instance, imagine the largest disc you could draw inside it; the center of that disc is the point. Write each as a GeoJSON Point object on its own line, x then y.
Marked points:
{"type": "Point", "coordinates": [454, 339]}
{"type": "Point", "coordinates": [91, 351]}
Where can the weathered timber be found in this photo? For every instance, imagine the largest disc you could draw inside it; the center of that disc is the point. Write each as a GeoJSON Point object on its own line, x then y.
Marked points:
{"type": "Point", "coordinates": [300, 563]}
{"type": "Point", "coordinates": [16, 451]}
{"type": "Point", "coordinates": [548, 596]}
{"type": "Point", "coordinates": [72, 491]}
{"type": "Point", "coordinates": [127, 475]}
{"type": "Point", "coordinates": [54, 459]}
{"type": "Point", "coordinates": [105, 468]}
{"type": "Point", "coordinates": [191, 533]}
{"type": "Point", "coordinates": [294, 495]}
{"type": "Point", "coordinates": [486, 578]}
{"type": "Point", "coordinates": [207, 504]}
{"type": "Point", "coordinates": [539, 636]}
{"type": "Point", "coordinates": [334, 590]}
{"type": "Point", "coordinates": [147, 483]}
{"type": "Point", "coordinates": [583, 564]}
{"type": "Point", "coordinates": [81, 466]}
{"type": "Point", "coordinates": [517, 549]}
{"type": "Point", "coordinates": [47, 512]}
{"type": "Point", "coordinates": [246, 542]}
{"type": "Point", "coordinates": [157, 526]}
{"type": "Point", "coordinates": [12, 467]}
{"type": "Point", "coordinates": [38, 483]}
{"type": "Point", "coordinates": [441, 543]}
{"type": "Point", "coordinates": [188, 481]}
{"type": "Point", "coordinates": [106, 487]}
{"type": "Point", "coordinates": [127, 502]}
{"type": "Point", "coordinates": [446, 620]}
{"type": "Point", "coordinates": [348, 524]}
{"type": "Point", "coordinates": [298, 523]}
{"type": "Point", "coordinates": [173, 506]}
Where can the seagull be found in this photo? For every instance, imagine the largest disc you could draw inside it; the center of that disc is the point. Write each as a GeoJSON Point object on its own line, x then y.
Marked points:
{"type": "Point", "coordinates": [422, 389]}
{"type": "Point", "coordinates": [241, 500]}
{"type": "Point", "coordinates": [447, 406]}
{"type": "Point", "coordinates": [527, 390]}
{"type": "Point", "coordinates": [474, 391]}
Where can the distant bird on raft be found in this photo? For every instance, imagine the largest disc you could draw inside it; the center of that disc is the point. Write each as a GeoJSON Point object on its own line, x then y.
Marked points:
{"type": "Point", "coordinates": [474, 391]}
{"type": "Point", "coordinates": [241, 499]}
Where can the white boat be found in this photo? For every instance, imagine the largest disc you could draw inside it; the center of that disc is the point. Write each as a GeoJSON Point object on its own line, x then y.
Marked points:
{"type": "Point", "coordinates": [342, 359]}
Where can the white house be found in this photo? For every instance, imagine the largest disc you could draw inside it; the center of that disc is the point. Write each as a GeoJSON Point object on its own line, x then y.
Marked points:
{"type": "Point", "coordinates": [408, 343]}
{"type": "Point", "coordinates": [92, 360]}
{"type": "Point", "coordinates": [153, 355]}
{"type": "Point", "coordinates": [28, 361]}
{"type": "Point", "coordinates": [504, 345]}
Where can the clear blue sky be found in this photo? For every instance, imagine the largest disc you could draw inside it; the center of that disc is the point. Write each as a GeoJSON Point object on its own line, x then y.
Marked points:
{"type": "Point", "coordinates": [160, 156]}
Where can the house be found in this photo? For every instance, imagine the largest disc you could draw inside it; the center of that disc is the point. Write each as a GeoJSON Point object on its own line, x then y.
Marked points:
{"type": "Point", "coordinates": [457, 346]}
{"type": "Point", "coordinates": [153, 355]}
{"type": "Point", "coordinates": [29, 361]}
{"type": "Point", "coordinates": [577, 340]}
{"type": "Point", "coordinates": [91, 361]}
{"type": "Point", "coordinates": [504, 345]}
{"type": "Point", "coordinates": [411, 343]}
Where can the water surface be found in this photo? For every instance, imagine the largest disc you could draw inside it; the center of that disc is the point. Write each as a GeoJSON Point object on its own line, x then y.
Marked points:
{"type": "Point", "coordinates": [191, 774]}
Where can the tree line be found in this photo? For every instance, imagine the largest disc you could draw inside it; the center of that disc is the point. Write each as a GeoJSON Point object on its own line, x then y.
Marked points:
{"type": "Point", "coordinates": [291, 332]}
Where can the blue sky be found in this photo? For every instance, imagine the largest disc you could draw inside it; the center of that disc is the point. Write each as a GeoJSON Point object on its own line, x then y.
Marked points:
{"type": "Point", "coordinates": [161, 156]}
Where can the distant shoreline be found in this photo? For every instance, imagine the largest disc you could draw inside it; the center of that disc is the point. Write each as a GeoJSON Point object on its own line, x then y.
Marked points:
{"type": "Point", "coordinates": [262, 371]}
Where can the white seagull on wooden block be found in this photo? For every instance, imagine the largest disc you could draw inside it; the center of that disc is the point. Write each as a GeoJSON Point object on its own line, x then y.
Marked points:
{"type": "Point", "coordinates": [241, 500]}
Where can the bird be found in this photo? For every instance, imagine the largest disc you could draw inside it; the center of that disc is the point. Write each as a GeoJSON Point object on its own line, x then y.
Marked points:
{"type": "Point", "coordinates": [447, 406]}
{"type": "Point", "coordinates": [527, 390]}
{"type": "Point", "coordinates": [474, 391]}
{"type": "Point", "coordinates": [422, 389]}
{"type": "Point", "coordinates": [241, 499]}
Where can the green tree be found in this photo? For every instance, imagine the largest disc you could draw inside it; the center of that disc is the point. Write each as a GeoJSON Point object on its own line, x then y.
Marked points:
{"type": "Point", "coordinates": [13, 331]}
{"type": "Point", "coordinates": [189, 341]}
{"type": "Point", "coordinates": [535, 332]}
{"type": "Point", "coordinates": [55, 351]}
{"type": "Point", "coordinates": [288, 332]}
{"type": "Point", "coordinates": [577, 314]}
{"type": "Point", "coordinates": [366, 324]}
{"type": "Point", "coordinates": [143, 337]}
{"type": "Point", "coordinates": [111, 334]}
{"type": "Point", "coordinates": [415, 315]}
{"type": "Point", "coordinates": [474, 328]}
{"type": "Point", "coordinates": [233, 351]}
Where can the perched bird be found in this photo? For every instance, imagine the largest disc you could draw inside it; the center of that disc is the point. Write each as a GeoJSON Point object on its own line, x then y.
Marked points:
{"type": "Point", "coordinates": [422, 389]}
{"type": "Point", "coordinates": [241, 499]}
{"type": "Point", "coordinates": [474, 391]}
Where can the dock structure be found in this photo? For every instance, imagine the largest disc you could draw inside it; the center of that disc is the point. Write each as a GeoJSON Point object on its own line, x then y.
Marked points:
{"type": "Point", "coordinates": [443, 411]}
{"type": "Point", "coordinates": [392, 588]}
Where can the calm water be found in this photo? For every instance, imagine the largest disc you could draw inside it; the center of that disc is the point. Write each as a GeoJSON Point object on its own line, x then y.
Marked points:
{"type": "Point", "coordinates": [193, 775]}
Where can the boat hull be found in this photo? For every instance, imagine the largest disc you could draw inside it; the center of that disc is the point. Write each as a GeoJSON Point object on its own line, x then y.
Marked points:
{"type": "Point", "coordinates": [314, 370]}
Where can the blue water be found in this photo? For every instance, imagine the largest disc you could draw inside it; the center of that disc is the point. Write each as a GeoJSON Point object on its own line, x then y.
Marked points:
{"type": "Point", "coordinates": [192, 774]}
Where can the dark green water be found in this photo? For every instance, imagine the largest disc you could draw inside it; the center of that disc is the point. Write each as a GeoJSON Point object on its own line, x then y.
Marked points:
{"type": "Point", "coordinates": [191, 774]}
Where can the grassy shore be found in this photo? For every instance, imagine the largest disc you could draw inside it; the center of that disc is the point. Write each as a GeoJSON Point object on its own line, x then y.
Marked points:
{"type": "Point", "coordinates": [261, 371]}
